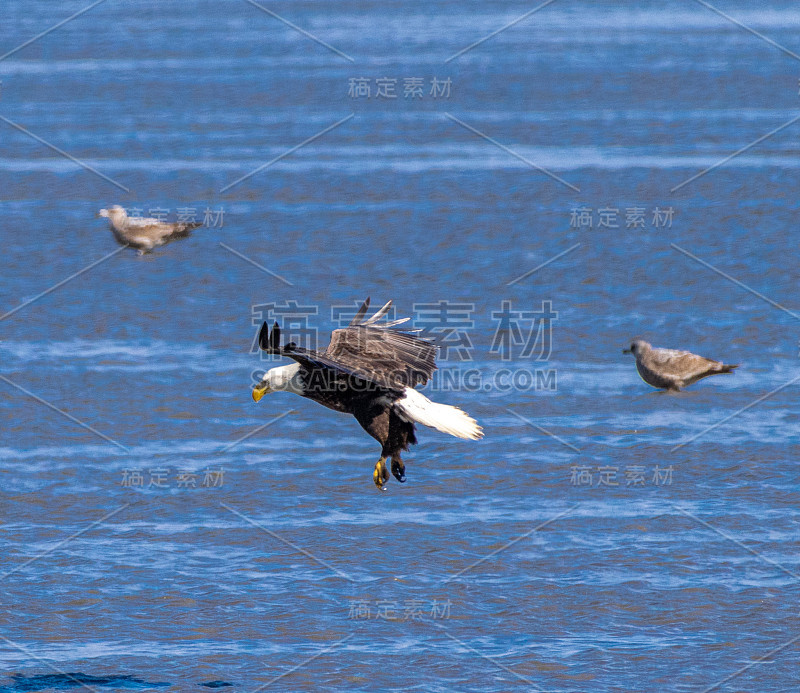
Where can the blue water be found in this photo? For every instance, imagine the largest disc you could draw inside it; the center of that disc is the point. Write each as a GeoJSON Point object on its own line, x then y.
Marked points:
{"type": "Point", "coordinates": [603, 557]}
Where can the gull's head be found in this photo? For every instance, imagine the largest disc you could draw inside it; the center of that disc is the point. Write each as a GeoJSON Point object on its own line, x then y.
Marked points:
{"type": "Point", "coordinates": [638, 346]}
{"type": "Point", "coordinates": [114, 213]}
{"type": "Point", "coordinates": [281, 379]}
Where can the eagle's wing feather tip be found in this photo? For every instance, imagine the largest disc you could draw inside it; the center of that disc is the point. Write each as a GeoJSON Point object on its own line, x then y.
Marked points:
{"type": "Point", "coordinates": [263, 337]}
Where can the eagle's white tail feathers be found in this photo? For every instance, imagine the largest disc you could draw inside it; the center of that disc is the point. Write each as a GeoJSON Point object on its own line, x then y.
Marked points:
{"type": "Point", "coordinates": [414, 406]}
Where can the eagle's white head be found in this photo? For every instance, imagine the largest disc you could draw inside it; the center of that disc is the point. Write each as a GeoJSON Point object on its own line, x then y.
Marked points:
{"type": "Point", "coordinates": [280, 379]}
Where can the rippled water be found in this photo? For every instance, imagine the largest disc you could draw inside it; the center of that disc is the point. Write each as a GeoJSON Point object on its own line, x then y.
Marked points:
{"type": "Point", "coordinates": [648, 543]}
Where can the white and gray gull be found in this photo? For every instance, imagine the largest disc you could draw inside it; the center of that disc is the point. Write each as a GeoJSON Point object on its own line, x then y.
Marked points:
{"type": "Point", "coordinates": [671, 369]}
{"type": "Point", "coordinates": [144, 233]}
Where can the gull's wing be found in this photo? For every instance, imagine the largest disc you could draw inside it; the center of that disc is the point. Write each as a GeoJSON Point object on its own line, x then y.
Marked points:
{"type": "Point", "coordinates": [155, 230]}
{"type": "Point", "coordinates": [680, 364]}
{"type": "Point", "coordinates": [143, 222]}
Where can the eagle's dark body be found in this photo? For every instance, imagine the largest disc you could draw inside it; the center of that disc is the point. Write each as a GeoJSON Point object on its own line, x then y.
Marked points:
{"type": "Point", "coordinates": [371, 406]}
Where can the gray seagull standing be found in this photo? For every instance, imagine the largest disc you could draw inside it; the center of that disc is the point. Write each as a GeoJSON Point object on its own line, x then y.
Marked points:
{"type": "Point", "coordinates": [671, 369]}
{"type": "Point", "coordinates": [144, 234]}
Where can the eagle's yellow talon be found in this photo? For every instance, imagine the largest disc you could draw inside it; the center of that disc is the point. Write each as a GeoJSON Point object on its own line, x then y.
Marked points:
{"type": "Point", "coordinates": [381, 475]}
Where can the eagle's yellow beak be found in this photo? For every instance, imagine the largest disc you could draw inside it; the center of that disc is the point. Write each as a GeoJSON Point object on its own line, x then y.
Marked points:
{"type": "Point", "coordinates": [259, 391]}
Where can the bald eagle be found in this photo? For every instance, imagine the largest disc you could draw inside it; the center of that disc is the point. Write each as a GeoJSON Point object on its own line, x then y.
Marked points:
{"type": "Point", "coordinates": [370, 370]}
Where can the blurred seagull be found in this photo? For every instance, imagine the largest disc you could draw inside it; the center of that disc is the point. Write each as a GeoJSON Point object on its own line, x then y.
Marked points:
{"type": "Point", "coordinates": [142, 233]}
{"type": "Point", "coordinates": [672, 369]}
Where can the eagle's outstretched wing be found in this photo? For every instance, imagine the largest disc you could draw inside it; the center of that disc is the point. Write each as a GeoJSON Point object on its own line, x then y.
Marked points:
{"type": "Point", "coordinates": [378, 353]}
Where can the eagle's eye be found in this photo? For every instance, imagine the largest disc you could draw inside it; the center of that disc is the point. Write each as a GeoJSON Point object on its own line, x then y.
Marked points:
{"type": "Point", "coordinates": [633, 348]}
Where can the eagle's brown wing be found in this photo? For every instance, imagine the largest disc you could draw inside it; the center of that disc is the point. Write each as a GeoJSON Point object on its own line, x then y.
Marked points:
{"type": "Point", "coordinates": [382, 353]}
